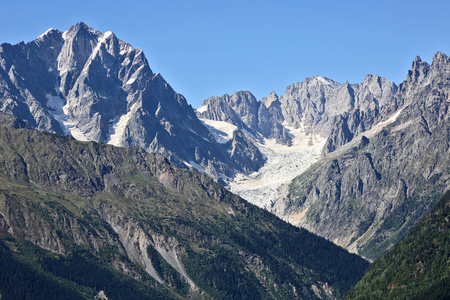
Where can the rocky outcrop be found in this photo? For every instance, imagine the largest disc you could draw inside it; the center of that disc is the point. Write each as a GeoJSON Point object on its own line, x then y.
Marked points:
{"type": "Point", "coordinates": [137, 238]}
{"type": "Point", "coordinates": [271, 120]}
{"type": "Point", "coordinates": [244, 151]}
{"type": "Point", "coordinates": [374, 95]}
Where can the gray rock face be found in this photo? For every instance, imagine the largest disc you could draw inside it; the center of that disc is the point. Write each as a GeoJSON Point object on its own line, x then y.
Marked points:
{"type": "Point", "coordinates": [243, 150]}
{"type": "Point", "coordinates": [244, 111]}
{"type": "Point", "coordinates": [368, 194]}
{"type": "Point", "coordinates": [95, 87]}
{"type": "Point", "coordinates": [323, 106]}
{"type": "Point", "coordinates": [371, 97]}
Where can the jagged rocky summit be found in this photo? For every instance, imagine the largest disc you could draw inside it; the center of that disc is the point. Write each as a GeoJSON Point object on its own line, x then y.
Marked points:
{"type": "Point", "coordinates": [94, 87]}
{"type": "Point", "coordinates": [314, 105]}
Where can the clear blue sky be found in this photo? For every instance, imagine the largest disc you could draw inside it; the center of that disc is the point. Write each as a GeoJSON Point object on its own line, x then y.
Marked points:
{"type": "Point", "coordinates": [209, 48]}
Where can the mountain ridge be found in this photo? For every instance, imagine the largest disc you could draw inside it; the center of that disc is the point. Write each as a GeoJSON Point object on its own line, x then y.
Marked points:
{"type": "Point", "coordinates": [93, 86]}
{"type": "Point", "coordinates": [136, 212]}
{"type": "Point", "coordinates": [385, 179]}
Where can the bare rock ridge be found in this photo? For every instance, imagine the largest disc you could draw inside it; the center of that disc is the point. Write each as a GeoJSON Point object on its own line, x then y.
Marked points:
{"type": "Point", "coordinates": [95, 87]}
{"type": "Point", "coordinates": [244, 111]}
{"type": "Point", "coordinates": [318, 104]}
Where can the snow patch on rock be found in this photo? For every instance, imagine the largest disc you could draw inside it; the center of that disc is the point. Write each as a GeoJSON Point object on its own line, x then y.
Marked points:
{"type": "Point", "coordinates": [222, 131]}
{"type": "Point", "coordinates": [131, 80]}
{"type": "Point", "coordinates": [45, 33]}
{"type": "Point", "coordinates": [59, 111]}
{"type": "Point", "coordinates": [202, 108]}
{"type": "Point", "coordinates": [193, 164]}
{"type": "Point", "coordinates": [117, 127]}
{"type": "Point", "coordinates": [323, 80]}
{"type": "Point", "coordinates": [135, 75]}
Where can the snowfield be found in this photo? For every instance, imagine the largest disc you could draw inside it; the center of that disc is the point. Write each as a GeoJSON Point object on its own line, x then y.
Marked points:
{"type": "Point", "coordinates": [283, 164]}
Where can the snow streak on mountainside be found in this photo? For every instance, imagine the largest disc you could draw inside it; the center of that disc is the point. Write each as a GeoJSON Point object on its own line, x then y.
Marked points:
{"type": "Point", "coordinates": [118, 125]}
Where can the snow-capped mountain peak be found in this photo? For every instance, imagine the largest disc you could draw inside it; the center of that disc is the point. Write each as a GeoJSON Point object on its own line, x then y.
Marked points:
{"type": "Point", "coordinates": [95, 87]}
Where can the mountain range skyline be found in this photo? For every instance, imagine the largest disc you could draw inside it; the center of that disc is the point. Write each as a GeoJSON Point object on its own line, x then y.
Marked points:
{"type": "Point", "coordinates": [356, 164]}
{"type": "Point", "coordinates": [95, 87]}
{"type": "Point", "coordinates": [205, 49]}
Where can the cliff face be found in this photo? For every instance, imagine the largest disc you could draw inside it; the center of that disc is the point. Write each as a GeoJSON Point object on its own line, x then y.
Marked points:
{"type": "Point", "coordinates": [244, 111]}
{"type": "Point", "coordinates": [136, 213]}
{"type": "Point", "coordinates": [369, 193]}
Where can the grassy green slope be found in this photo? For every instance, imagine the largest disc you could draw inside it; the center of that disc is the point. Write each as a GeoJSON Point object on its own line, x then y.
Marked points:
{"type": "Point", "coordinates": [416, 268]}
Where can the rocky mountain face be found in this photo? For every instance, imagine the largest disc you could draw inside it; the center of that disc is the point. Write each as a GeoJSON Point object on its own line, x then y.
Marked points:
{"type": "Point", "coordinates": [95, 87]}
{"type": "Point", "coordinates": [244, 111]}
{"type": "Point", "coordinates": [317, 101]}
{"type": "Point", "coordinates": [418, 267]}
{"type": "Point", "coordinates": [320, 105]}
{"type": "Point", "coordinates": [368, 194]}
{"type": "Point", "coordinates": [312, 118]}
{"type": "Point", "coordinates": [108, 220]}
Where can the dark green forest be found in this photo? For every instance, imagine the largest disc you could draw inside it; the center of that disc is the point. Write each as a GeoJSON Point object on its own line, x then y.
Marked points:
{"type": "Point", "coordinates": [28, 272]}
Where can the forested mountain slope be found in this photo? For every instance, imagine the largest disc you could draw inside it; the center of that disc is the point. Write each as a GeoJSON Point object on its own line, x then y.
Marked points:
{"type": "Point", "coordinates": [418, 267]}
{"type": "Point", "coordinates": [175, 233]}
